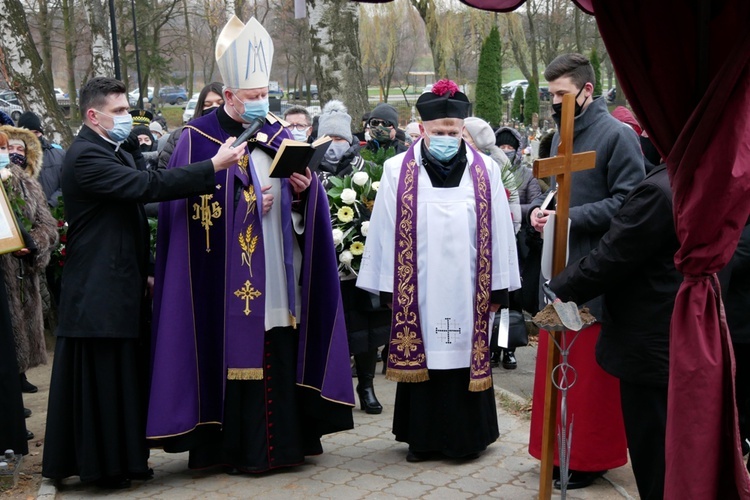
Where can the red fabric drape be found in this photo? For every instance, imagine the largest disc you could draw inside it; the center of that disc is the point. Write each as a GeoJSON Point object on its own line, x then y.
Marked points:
{"type": "Point", "coordinates": [704, 133]}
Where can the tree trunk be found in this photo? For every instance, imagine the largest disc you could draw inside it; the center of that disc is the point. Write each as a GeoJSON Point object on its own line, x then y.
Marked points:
{"type": "Point", "coordinates": [191, 72]}
{"type": "Point", "coordinates": [334, 36]}
{"type": "Point", "coordinates": [102, 62]}
{"type": "Point", "coordinates": [533, 44]}
{"type": "Point", "coordinates": [427, 11]}
{"type": "Point", "coordinates": [45, 38]}
{"type": "Point", "coordinates": [69, 33]}
{"type": "Point", "coordinates": [578, 31]}
{"type": "Point", "coordinates": [22, 68]}
{"type": "Point", "coordinates": [517, 42]}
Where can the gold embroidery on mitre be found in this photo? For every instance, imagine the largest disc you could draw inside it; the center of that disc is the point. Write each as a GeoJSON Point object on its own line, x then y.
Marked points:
{"type": "Point", "coordinates": [247, 293]}
{"type": "Point", "coordinates": [206, 212]}
{"type": "Point", "coordinates": [245, 374]}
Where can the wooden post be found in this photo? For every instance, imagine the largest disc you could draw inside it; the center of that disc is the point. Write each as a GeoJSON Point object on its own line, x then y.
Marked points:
{"type": "Point", "coordinates": [562, 166]}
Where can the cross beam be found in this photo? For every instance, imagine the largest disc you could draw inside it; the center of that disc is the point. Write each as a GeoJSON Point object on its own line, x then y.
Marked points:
{"type": "Point", "coordinates": [562, 166]}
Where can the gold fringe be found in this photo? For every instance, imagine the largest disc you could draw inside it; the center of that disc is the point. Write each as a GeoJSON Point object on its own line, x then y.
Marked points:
{"type": "Point", "coordinates": [245, 374]}
{"type": "Point", "coordinates": [479, 385]}
{"type": "Point", "coordinates": [409, 376]}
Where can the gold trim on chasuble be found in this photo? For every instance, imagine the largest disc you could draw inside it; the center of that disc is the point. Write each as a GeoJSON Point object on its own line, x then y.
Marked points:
{"type": "Point", "coordinates": [480, 351]}
{"type": "Point", "coordinates": [405, 335]}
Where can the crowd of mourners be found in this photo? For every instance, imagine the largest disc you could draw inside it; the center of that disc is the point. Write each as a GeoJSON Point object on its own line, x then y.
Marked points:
{"type": "Point", "coordinates": [234, 339]}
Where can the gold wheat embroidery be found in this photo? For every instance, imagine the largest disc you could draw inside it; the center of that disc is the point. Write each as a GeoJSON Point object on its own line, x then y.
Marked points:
{"type": "Point", "coordinates": [248, 242]}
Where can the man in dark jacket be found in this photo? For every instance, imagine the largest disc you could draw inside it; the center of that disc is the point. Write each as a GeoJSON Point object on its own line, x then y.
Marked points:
{"type": "Point", "coordinates": [51, 175]}
{"type": "Point", "coordinates": [384, 131]}
{"type": "Point", "coordinates": [98, 391]}
{"type": "Point", "coordinates": [633, 268]}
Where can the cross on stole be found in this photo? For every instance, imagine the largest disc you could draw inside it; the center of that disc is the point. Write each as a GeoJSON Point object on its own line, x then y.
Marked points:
{"type": "Point", "coordinates": [447, 331]}
{"type": "Point", "coordinates": [562, 167]}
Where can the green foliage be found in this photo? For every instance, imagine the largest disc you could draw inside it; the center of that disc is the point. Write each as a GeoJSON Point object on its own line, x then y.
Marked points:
{"type": "Point", "coordinates": [489, 77]}
{"type": "Point", "coordinates": [531, 103]}
{"type": "Point", "coordinates": [596, 64]}
{"type": "Point", "coordinates": [516, 109]}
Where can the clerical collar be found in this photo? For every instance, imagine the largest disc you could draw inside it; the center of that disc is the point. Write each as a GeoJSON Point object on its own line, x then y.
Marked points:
{"type": "Point", "coordinates": [115, 144]}
{"type": "Point", "coordinates": [229, 124]}
{"type": "Point", "coordinates": [444, 169]}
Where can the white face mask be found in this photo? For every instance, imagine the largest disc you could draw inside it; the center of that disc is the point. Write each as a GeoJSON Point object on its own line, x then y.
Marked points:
{"type": "Point", "coordinates": [300, 135]}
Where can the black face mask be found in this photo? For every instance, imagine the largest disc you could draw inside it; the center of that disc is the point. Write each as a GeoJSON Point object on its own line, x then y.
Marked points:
{"type": "Point", "coordinates": [18, 159]}
{"type": "Point", "coordinates": [557, 108]}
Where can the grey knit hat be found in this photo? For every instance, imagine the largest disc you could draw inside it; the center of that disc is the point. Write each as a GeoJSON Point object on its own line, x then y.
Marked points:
{"type": "Point", "coordinates": [385, 111]}
{"type": "Point", "coordinates": [481, 132]}
{"type": "Point", "coordinates": [334, 120]}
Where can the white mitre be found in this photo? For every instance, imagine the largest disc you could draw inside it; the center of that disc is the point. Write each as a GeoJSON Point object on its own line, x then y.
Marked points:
{"type": "Point", "coordinates": [244, 53]}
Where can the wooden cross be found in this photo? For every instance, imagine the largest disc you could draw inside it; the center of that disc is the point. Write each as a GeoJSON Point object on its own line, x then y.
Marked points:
{"type": "Point", "coordinates": [562, 166]}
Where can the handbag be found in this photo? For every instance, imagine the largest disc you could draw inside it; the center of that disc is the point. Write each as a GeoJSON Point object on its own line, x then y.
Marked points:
{"type": "Point", "coordinates": [518, 336]}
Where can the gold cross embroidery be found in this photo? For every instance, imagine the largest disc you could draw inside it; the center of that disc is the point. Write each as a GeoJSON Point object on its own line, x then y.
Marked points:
{"type": "Point", "coordinates": [247, 293]}
{"type": "Point", "coordinates": [205, 212]}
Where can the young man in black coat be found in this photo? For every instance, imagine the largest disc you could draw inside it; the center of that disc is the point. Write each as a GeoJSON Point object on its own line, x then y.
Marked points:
{"type": "Point", "coordinates": [633, 268]}
{"type": "Point", "coordinates": [97, 404]}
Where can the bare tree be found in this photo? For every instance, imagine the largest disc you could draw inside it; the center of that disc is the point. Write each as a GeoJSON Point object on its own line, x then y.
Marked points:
{"type": "Point", "coordinates": [102, 62]}
{"type": "Point", "coordinates": [22, 69]}
{"type": "Point", "coordinates": [428, 11]}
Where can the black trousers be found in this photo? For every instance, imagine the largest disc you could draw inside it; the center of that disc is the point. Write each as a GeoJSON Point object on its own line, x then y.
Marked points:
{"type": "Point", "coordinates": [644, 411]}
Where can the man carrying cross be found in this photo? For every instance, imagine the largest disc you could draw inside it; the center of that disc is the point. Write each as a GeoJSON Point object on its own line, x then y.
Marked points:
{"type": "Point", "coordinates": [598, 441]}
{"type": "Point", "coordinates": [441, 247]}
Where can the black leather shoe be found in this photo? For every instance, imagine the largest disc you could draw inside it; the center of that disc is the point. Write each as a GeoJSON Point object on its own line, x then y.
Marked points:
{"type": "Point", "coordinates": [29, 435]}
{"type": "Point", "coordinates": [113, 483]}
{"type": "Point", "coordinates": [579, 479]}
{"type": "Point", "coordinates": [367, 400]}
{"type": "Point", "coordinates": [142, 476]}
{"type": "Point", "coordinates": [495, 359]}
{"type": "Point", "coordinates": [27, 386]}
{"type": "Point", "coordinates": [419, 456]}
{"type": "Point", "coordinates": [26, 413]}
{"type": "Point", "coordinates": [509, 360]}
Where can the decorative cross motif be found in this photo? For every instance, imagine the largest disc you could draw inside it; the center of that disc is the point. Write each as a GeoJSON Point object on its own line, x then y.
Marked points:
{"type": "Point", "coordinates": [205, 212]}
{"type": "Point", "coordinates": [247, 293]}
{"type": "Point", "coordinates": [445, 333]}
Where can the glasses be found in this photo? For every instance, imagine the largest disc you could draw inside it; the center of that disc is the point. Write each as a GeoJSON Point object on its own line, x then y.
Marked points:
{"type": "Point", "coordinates": [298, 126]}
{"type": "Point", "coordinates": [379, 123]}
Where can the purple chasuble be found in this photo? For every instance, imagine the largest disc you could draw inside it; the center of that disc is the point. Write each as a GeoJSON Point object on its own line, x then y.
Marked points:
{"type": "Point", "coordinates": [407, 359]}
{"type": "Point", "coordinates": [209, 303]}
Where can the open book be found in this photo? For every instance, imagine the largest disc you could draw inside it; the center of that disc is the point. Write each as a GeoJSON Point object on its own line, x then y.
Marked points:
{"type": "Point", "coordinates": [295, 156]}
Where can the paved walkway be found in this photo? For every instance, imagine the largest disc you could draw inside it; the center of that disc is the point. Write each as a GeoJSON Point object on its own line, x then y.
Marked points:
{"type": "Point", "coordinates": [367, 463]}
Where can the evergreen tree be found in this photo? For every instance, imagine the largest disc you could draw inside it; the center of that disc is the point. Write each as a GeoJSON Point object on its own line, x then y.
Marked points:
{"type": "Point", "coordinates": [531, 103]}
{"type": "Point", "coordinates": [594, 59]}
{"type": "Point", "coordinates": [516, 110]}
{"type": "Point", "coordinates": [488, 96]}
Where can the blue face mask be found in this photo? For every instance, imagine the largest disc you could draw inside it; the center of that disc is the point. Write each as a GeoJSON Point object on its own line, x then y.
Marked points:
{"type": "Point", "coordinates": [4, 160]}
{"type": "Point", "coordinates": [254, 109]}
{"type": "Point", "coordinates": [299, 135]}
{"type": "Point", "coordinates": [443, 147]}
{"type": "Point", "coordinates": [122, 125]}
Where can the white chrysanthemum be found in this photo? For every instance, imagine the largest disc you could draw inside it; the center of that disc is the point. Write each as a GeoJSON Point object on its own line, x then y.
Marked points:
{"type": "Point", "coordinates": [346, 258]}
{"type": "Point", "coordinates": [338, 237]}
{"type": "Point", "coordinates": [360, 178]}
{"type": "Point", "coordinates": [376, 185]}
{"type": "Point", "coordinates": [365, 227]}
{"type": "Point", "coordinates": [348, 196]}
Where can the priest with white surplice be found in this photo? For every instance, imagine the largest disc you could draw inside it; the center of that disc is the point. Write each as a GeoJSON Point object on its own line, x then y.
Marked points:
{"type": "Point", "coordinates": [440, 248]}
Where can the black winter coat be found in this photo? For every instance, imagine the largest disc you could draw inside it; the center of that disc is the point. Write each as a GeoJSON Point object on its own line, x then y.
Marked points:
{"type": "Point", "coordinates": [735, 290]}
{"type": "Point", "coordinates": [104, 278]}
{"type": "Point", "coordinates": [633, 267]}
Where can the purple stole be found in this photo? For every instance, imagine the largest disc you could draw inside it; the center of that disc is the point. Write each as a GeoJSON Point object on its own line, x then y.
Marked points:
{"type": "Point", "coordinates": [407, 359]}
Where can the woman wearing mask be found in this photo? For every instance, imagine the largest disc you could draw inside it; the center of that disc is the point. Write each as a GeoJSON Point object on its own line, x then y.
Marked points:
{"type": "Point", "coordinates": [24, 268]}
{"type": "Point", "coordinates": [367, 326]}
{"type": "Point", "coordinates": [209, 99]}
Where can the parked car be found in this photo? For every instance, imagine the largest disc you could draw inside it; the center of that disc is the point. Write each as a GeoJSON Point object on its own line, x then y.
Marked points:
{"type": "Point", "coordinates": [544, 94]}
{"type": "Point", "coordinates": [509, 89]}
{"type": "Point", "coordinates": [611, 94]}
{"type": "Point", "coordinates": [296, 94]}
{"type": "Point", "coordinates": [135, 94]}
{"type": "Point", "coordinates": [13, 110]}
{"type": "Point", "coordinates": [276, 94]}
{"type": "Point", "coordinates": [10, 96]}
{"type": "Point", "coordinates": [173, 95]}
{"type": "Point", "coordinates": [189, 110]}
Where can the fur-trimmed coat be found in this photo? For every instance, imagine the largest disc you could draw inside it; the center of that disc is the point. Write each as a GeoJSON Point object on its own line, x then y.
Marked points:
{"type": "Point", "coordinates": [24, 295]}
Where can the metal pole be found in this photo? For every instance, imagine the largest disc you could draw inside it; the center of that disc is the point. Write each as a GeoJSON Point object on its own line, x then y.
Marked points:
{"type": "Point", "coordinates": [137, 58]}
{"type": "Point", "coordinates": [115, 51]}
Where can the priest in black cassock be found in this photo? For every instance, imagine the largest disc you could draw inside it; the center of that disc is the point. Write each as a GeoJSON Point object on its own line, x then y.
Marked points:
{"type": "Point", "coordinates": [441, 248]}
{"type": "Point", "coordinates": [251, 362]}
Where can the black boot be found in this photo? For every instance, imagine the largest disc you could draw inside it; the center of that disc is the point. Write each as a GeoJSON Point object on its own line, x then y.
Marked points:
{"type": "Point", "coordinates": [27, 386]}
{"type": "Point", "coordinates": [365, 364]}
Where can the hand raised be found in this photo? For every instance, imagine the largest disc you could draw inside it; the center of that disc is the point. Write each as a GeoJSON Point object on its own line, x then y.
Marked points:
{"type": "Point", "coordinates": [227, 155]}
